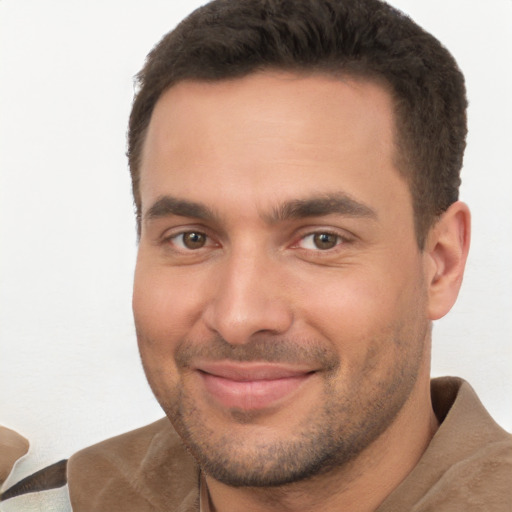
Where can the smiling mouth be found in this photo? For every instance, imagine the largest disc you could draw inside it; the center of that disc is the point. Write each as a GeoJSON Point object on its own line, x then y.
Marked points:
{"type": "Point", "coordinates": [251, 386]}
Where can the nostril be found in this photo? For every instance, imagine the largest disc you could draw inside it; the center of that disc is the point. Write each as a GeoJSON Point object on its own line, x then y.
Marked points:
{"type": "Point", "coordinates": [238, 324]}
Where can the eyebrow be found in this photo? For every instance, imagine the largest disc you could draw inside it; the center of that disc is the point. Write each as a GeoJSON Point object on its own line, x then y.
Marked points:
{"type": "Point", "coordinates": [318, 206]}
{"type": "Point", "coordinates": [166, 206]}
{"type": "Point", "coordinates": [315, 206]}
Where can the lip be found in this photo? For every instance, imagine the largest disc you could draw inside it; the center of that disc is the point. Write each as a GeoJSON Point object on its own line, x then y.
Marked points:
{"type": "Point", "coordinates": [251, 386]}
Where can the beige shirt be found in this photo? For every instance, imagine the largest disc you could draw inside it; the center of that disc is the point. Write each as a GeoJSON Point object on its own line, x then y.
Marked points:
{"type": "Point", "coordinates": [466, 468]}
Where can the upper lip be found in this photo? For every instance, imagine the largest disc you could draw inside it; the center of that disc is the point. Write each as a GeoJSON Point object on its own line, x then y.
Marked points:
{"type": "Point", "coordinates": [250, 371]}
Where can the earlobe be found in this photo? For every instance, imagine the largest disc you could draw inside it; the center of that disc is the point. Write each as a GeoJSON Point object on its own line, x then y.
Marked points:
{"type": "Point", "coordinates": [446, 251]}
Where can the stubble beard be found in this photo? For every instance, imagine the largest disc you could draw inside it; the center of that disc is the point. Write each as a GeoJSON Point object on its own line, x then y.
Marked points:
{"type": "Point", "coordinates": [330, 437]}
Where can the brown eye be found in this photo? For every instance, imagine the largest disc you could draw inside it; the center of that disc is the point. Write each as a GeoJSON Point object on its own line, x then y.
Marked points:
{"type": "Point", "coordinates": [193, 240]}
{"type": "Point", "coordinates": [325, 240]}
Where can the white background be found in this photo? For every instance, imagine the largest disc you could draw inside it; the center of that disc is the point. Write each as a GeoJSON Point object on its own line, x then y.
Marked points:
{"type": "Point", "coordinates": [69, 369]}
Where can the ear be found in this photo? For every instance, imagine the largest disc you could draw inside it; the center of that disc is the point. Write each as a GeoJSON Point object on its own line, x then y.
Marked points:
{"type": "Point", "coordinates": [446, 251]}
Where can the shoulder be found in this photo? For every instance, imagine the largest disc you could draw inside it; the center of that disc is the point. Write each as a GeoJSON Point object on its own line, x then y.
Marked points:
{"type": "Point", "coordinates": [468, 464]}
{"type": "Point", "coordinates": [126, 451]}
{"type": "Point", "coordinates": [147, 469]}
{"type": "Point", "coordinates": [478, 473]}
{"type": "Point", "coordinates": [480, 481]}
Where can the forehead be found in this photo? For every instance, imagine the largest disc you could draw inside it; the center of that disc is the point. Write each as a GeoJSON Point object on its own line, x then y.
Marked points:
{"type": "Point", "coordinates": [270, 136]}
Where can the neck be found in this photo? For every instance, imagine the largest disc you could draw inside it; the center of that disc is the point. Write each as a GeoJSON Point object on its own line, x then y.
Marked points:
{"type": "Point", "coordinates": [360, 485]}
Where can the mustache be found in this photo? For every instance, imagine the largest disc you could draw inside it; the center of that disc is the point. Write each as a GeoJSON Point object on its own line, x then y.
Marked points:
{"type": "Point", "coordinates": [261, 349]}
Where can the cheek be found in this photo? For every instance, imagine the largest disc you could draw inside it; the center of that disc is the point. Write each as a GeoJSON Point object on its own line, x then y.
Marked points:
{"type": "Point", "coordinates": [159, 311]}
{"type": "Point", "coordinates": [342, 302]}
{"type": "Point", "coordinates": [161, 308]}
{"type": "Point", "coordinates": [359, 310]}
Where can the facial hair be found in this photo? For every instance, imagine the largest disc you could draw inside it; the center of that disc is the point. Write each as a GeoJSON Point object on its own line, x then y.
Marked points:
{"type": "Point", "coordinates": [341, 425]}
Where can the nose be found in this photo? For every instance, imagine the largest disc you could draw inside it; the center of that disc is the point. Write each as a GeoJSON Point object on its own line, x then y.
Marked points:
{"type": "Point", "coordinates": [249, 298]}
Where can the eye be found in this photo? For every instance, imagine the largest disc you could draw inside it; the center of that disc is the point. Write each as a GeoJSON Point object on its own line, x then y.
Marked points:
{"type": "Point", "coordinates": [320, 241]}
{"type": "Point", "coordinates": [189, 240]}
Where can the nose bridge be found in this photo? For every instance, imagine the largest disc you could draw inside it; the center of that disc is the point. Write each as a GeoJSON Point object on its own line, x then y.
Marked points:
{"type": "Point", "coordinates": [249, 297]}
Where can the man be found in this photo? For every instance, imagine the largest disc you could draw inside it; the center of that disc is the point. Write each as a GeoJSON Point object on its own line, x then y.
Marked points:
{"type": "Point", "coordinates": [295, 170]}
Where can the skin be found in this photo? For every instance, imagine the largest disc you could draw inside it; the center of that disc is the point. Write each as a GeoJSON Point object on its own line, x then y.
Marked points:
{"type": "Point", "coordinates": [243, 263]}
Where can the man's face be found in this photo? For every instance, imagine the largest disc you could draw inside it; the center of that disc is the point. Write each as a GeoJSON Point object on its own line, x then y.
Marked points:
{"type": "Point", "coordinates": [279, 298]}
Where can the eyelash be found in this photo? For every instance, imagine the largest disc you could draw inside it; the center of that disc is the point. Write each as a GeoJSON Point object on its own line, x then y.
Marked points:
{"type": "Point", "coordinates": [339, 240]}
{"type": "Point", "coordinates": [170, 239]}
{"type": "Point", "coordinates": [180, 246]}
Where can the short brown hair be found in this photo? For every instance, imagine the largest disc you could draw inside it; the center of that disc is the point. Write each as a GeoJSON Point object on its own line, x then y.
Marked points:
{"type": "Point", "coordinates": [365, 38]}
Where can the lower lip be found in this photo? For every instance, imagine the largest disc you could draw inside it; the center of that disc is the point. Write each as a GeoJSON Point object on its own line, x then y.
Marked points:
{"type": "Point", "coordinates": [251, 395]}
